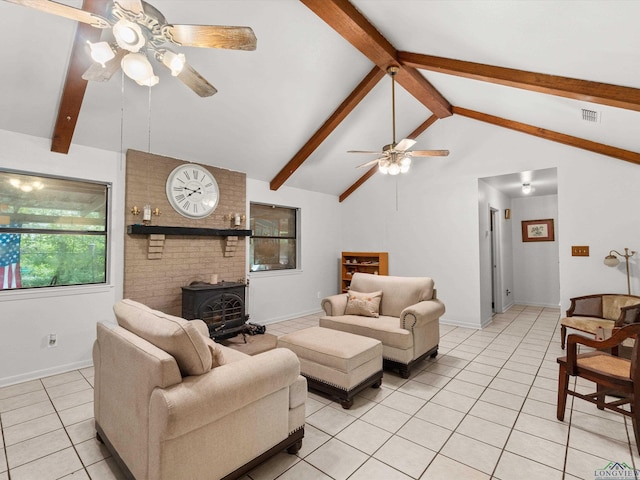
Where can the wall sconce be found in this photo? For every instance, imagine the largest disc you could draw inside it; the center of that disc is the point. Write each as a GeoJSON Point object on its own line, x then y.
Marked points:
{"type": "Point", "coordinates": [236, 218]}
{"type": "Point", "coordinates": [507, 213]}
{"type": "Point", "coordinates": [611, 260]}
{"type": "Point", "coordinates": [156, 211]}
{"type": "Point", "coordinates": [135, 210]}
{"type": "Point", "coordinates": [526, 188]}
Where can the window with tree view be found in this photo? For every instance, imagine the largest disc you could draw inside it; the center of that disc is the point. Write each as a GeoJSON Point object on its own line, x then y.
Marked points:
{"type": "Point", "coordinates": [53, 231]}
{"type": "Point", "coordinates": [274, 238]}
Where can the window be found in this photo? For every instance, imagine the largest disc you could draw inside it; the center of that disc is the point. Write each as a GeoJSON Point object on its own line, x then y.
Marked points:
{"type": "Point", "coordinates": [274, 238]}
{"type": "Point", "coordinates": [53, 231]}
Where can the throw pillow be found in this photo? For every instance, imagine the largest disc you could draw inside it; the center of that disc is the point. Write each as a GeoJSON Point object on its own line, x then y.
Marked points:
{"type": "Point", "coordinates": [178, 337]}
{"type": "Point", "coordinates": [366, 304]}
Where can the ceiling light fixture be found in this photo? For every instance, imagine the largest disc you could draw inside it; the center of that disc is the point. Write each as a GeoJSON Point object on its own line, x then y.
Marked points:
{"type": "Point", "coordinates": [526, 188]}
{"type": "Point", "coordinates": [128, 35]}
{"type": "Point", "coordinates": [101, 52]}
{"type": "Point", "coordinates": [138, 68]}
{"type": "Point", "coordinates": [173, 61]}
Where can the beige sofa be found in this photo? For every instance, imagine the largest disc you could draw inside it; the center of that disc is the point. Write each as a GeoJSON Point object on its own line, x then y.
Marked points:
{"type": "Point", "coordinates": [407, 321]}
{"type": "Point", "coordinates": [170, 403]}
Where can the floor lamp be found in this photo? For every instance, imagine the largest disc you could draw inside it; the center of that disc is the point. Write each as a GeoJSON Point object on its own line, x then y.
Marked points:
{"type": "Point", "coordinates": [611, 261]}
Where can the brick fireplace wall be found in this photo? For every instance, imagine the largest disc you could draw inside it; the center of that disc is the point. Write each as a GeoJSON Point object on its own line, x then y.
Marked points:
{"type": "Point", "coordinates": [156, 280]}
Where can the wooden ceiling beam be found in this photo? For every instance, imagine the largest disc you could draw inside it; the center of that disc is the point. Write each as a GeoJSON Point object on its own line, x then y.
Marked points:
{"type": "Point", "coordinates": [74, 85]}
{"type": "Point", "coordinates": [371, 172]}
{"type": "Point", "coordinates": [345, 108]}
{"type": "Point", "coordinates": [347, 20]}
{"type": "Point", "coordinates": [619, 153]}
{"type": "Point", "coordinates": [595, 92]}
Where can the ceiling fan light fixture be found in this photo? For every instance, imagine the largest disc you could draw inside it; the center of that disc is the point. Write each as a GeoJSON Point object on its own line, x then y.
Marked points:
{"type": "Point", "coordinates": [101, 52]}
{"type": "Point", "coordinates": [137, 67]}
{"type": "Point", "coordinates": [128, 35]}
{"type": "Point", "coordinates": [383, 166]}
{"type": "Point", "coordinates": [394, 169]}
{"type": "Point", "coordinates": [173, 61]}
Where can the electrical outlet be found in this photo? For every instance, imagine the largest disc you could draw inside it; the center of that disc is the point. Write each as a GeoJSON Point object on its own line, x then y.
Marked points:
{"type": "Point", "coordinates": [52, 340]}
{"type": "Point", "coordinates": [318, 295]}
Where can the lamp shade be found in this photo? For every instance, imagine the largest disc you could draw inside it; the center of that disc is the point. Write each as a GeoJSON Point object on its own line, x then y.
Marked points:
{"type": "Point", "coordinates": [138, 68]}
{"type": "Point", "coordinates": [101, 52]}
{"type": "Point", "coordinates": [128, 35]}
{"type": "Point", "coordinates": [611, 261]}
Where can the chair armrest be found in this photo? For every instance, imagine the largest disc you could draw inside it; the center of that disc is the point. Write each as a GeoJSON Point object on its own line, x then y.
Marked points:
{"type": "Point", "coordinates": [335, 305]}
{"type": "Point", "coordinates": [201, 327]}
{"type": "Point", "coordinates": [628, 315]}
{"type": "Point", "coordinates": [200, 400]}
{"type": "Point", "coordinates": [421, 313]}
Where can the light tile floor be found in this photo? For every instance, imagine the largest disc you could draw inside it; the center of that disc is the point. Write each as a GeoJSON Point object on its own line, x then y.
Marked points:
{"type": "Point", "coordinates": [484, 408]}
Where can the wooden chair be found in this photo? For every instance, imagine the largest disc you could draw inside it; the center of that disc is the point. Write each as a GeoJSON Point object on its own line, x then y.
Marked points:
{"type": "Point", "coordinates": [612, 375]}
{"type": "Point", "coordinates": [607, 310]}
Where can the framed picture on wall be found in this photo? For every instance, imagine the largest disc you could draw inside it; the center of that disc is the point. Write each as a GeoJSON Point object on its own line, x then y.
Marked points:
{"type": "Point", "coordinates": [537, 230]}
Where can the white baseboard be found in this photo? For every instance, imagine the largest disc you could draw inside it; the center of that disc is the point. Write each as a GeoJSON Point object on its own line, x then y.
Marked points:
{"type": "Point", "coordinates": [46, 372]}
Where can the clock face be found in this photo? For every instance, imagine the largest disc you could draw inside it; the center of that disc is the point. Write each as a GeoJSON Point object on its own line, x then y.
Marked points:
{"type": "Point", "coordinates": [192, 191]}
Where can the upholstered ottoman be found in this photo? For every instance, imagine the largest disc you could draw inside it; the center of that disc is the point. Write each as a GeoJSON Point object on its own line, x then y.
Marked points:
{"type": "Point", "coordinates": [338, 363]}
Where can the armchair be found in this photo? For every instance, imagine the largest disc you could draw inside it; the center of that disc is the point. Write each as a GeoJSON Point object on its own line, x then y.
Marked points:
{"type": "Point", "coordinates": [407, 322]}
{"type": "Point", "coordinates": [609, 311]}
{"type": "Point", "coordinates": [612, 375]}
{"type": "Point", "coordinates": [170, 403]}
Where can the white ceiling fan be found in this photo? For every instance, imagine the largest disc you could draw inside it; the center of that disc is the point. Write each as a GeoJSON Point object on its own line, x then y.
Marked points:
{"type": "Point", "coordinates": [396, 157]}
{"type": "Point", "coordinates": [135, 31]}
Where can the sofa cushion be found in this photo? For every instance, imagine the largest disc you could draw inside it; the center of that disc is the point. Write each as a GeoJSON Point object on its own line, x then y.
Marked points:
{"type": "Point", "coordinates": [398, 293]}
{"type": "Point", "coordinates": [386, 329]}
{"type": "Point", "coordinates": [176, 336]}
{"type": "Point", "coordinates": [367, 304]}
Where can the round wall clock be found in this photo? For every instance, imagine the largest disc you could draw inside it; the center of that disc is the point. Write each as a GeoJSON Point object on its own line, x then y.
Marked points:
{"type": "Point", "coordinates": [192, 191]}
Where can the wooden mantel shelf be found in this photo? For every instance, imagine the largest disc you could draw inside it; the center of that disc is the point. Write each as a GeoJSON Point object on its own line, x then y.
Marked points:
{"type": "Point", "coordinates": [193, 231]}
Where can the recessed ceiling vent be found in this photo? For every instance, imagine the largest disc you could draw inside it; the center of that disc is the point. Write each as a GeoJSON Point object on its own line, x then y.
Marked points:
{"type": "Point", "coordinates": [590, 116]}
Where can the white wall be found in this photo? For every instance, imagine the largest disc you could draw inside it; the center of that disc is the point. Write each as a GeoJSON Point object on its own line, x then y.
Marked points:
{"type": "Point", "coordinates": [535, 264]}
{"type": "Point", "coordinates": [275, 296]}
{"type": "Point", "coordinates": [28, 316]}
{"type": "Point", "coordinates": [489, 197]}
{"type": "Point", "coordinates": [434, 230]}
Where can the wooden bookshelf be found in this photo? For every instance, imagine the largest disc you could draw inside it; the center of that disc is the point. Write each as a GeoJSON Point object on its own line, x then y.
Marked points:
{"type": "Point", "coordinates": [376, 263]}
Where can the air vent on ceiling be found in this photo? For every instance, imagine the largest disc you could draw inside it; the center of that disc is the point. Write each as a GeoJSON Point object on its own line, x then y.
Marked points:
{"type": "Point", "coordinates": [590, 116]}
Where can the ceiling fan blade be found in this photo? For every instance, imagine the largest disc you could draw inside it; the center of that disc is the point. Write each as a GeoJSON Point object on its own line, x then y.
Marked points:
{"type": "Point", "coordinates": [211, 36]}
{"type": "Point", "coordinates": [196, 82]}
{"type": "Point", "coordinates": [133, 6]}
{"type": "Point", "coordinates": [428, 153]}
{"type": "Point", "coordinates": [372, 162]}
{"type": "Point", "coordinates": [98, 73]}
{"type": "Point", "coordinates": [404, 144]}
{"type": "Point", "coordinates": [364, 151]}
{"type": "Point", "coordinates": [65, 11]}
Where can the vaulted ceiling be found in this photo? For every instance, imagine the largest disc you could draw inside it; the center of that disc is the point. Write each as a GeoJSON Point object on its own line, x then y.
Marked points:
{"type": "Point", "coordinates": [316, 85]}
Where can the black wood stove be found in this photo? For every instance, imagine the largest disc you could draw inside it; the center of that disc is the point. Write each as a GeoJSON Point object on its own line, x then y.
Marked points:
{"type": "Point", "coordinates": [221, 306]}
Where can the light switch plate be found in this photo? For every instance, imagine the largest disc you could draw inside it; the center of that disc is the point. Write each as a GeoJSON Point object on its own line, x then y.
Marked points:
{"type": "Point", "coordinates": [580, 251]}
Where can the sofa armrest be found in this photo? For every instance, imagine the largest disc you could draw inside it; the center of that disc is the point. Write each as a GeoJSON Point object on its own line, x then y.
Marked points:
{"type": "Point", "coordinates": [200, 400]}
{"type": "Point", "coordinates": [335, 305]}
{"type": "Point", "coordinates": [201, 327]}
{"type": "Point", "coordinates": [421, 313]}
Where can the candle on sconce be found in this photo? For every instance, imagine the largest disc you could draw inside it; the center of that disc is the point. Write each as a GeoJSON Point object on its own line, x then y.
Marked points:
{"type": "Point", "coordinates": [146, 215]}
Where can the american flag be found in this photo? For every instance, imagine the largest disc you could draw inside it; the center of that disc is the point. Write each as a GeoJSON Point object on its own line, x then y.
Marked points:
{"type": "Point", "coordinates": [10, 261]}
